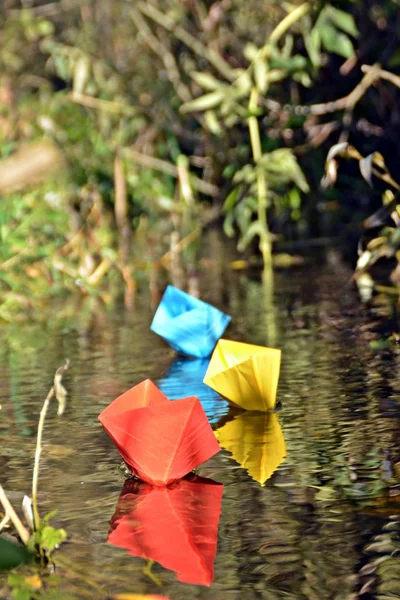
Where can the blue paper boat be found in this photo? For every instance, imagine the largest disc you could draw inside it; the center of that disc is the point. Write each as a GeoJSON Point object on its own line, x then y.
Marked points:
{"type": "Point", "coordinates": [188, 324]}
{"type": "Point", "coordinates": [185, 378]}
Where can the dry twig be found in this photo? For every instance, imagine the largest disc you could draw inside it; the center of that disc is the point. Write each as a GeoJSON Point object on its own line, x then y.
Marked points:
{"type": "Point", "coordinates": [55, 390]}
{"type": "Point", "coordinates": [16, 521]}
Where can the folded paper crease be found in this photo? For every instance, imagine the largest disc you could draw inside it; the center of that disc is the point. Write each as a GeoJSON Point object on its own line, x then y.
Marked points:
{"type": "Point", "coordinates": [245, 374]}
{"type": "Point", "coordinates": [188, 324]}
{"type": "Point", "coordinates": [159, 440]}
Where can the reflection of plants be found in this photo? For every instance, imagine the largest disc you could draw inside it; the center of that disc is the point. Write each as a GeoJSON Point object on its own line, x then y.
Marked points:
{"type": "Point", "coordinates": [251, 195]}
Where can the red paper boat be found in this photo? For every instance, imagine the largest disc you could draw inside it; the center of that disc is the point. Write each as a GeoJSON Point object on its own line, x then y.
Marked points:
{"type": "Point", "coordinates": [175, 526]}
{"type": "Point", "coordinates": [160, 440]}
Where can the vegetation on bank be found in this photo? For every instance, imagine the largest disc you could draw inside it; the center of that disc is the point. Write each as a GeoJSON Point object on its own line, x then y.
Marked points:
{"type": "Point", "coordinates": [161, 118]}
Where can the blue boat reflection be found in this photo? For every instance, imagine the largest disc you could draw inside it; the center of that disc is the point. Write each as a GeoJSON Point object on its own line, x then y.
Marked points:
{"type": "Point", "coordinates": [185, 378]}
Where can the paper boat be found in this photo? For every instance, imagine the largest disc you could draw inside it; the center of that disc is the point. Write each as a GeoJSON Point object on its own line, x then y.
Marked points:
{"type": "Point", "coordinates": [160, 440]}
{"type": "Point", "coordinates": [188, 324]}
{"type": "Point", "coordinates": [175, 526]}
{"type": "Point", "coordinates": [246, 375]}
{"type": "Point", "coordinates": [256, 443]}
{"type": "Point", "coordinates": [186, 375]}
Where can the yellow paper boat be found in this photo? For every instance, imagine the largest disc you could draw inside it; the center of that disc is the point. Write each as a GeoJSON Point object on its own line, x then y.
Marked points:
{"type": "Point", "coordinates": [256, 443]}
{"type": "Point", "coordinates": [245, 374]}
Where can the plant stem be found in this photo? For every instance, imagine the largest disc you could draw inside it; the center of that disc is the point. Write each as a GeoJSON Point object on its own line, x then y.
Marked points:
{"type": "Point", "coordinates": [35, 478]}
{"type": "Point", "coordinates": [111, 106]}
{"type": "Point", "coordinates": [262, 194]}
{"type": "Point", "coordinates": [163, 166]}
{"type": "Point", "coordinates": [4, 522]}
{"type": "Point", "coordinates": [16, 521]}
{"type": "Point", "coordinates": [188, 39]}
{"type": "Point", "coordinates": [58, 390]}
{"type": "Point", "coordinates": [288, 21]}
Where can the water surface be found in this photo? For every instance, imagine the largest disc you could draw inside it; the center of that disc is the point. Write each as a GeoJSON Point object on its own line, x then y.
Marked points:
{"type": "Point", "coordinates": [325, 525]}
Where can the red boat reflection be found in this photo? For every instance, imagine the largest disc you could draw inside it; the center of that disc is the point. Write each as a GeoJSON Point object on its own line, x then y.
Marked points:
{"type": "Point", "coordinates": [176, 526]}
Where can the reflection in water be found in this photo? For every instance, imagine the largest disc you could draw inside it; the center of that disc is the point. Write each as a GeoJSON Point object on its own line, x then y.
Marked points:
{"type": "Point", "coordinates": [175, 526]}
{"type": "Point", "coordinates": [256, 442]}
{"type": "Point", "coordinates": [317, 516]}
{"type": "Point", "coordinates": [185, 378]}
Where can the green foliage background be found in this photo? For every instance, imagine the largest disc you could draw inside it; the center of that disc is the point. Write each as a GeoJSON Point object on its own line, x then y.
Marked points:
{"type": "Point", "coordinates": [206, 110]}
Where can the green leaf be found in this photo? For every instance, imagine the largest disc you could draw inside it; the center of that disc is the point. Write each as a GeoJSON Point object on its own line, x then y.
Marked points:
{"type": "Point", "coordinates": [395, 60]}
{"type": "Point", "coordinates": [343, 21]}
{"type": "Point", "coordinates": [51, 538]}
{"type": "Point", "coordinates": [293, 63]}
{"type": "Point", "coordinates": [261, 74]}
{"type": "Point", "coordinates": [282, 167]}
{"type": "Point", "coordinates": [228, 225]}
{"type": "Point", "coordinates": [313, 46]}
{"type": "Point", "coordinates": [230, 200]}
{"type": "Point", "coordinates": [303, 78]}
{"type": "Point", "coordinates": [61, 66]}
{"type": "Point", "coordinates": [12, 555]}
{"type": "Point", "coordinates": [251, 51]}
{"type": "Point", "coordinates": [81, 74]}
{"type": "Point", "coordinates": [382, 344]}
{"type": "Point", "coordinates": [212, 122]}
{"type": "Point", "coordinates": [337, 43]}
{"type": "Point", "coordinates": [45, 27]}
{"type": "Point", "coordinates": [203, 102]}
{"type": "Point", "coordinates": [206, 81]}
{"type": "Point", "coordinates": [287, 48]}
{"type": "Point", "coordinates": [255, 229]}
{"type": "Point", "coordinates": [277, 75]}
{"type": "Point", "coordinates": [243, 83]}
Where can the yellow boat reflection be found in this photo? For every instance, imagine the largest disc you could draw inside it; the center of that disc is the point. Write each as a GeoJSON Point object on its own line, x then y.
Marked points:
{"type": "Point", "coordinates": [256, 443]}
{"type": "Point", "coordinates": [245, 374]}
